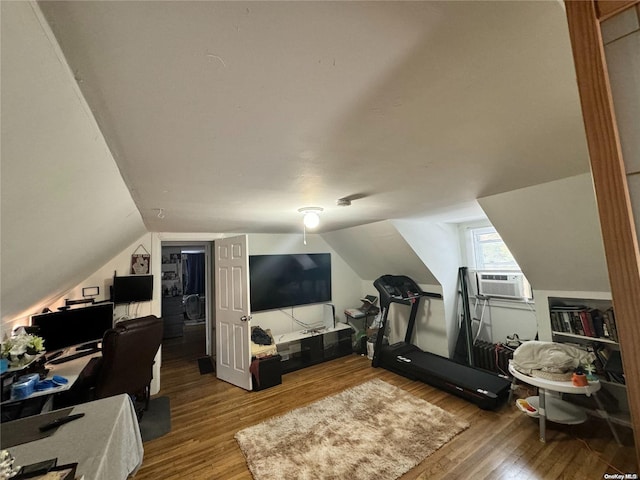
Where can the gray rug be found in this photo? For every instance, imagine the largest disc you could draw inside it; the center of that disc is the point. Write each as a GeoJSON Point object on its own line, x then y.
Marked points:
{"type": "Point", "coordinates": [156, 421]}
{"type": "Point", "coordinates": [374, 430]}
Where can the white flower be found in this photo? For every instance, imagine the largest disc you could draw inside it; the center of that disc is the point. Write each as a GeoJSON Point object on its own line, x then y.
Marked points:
{"type": "Point", "coordinates": [20, 349]}
{"type": "Point", "coordinates": [6, 465]}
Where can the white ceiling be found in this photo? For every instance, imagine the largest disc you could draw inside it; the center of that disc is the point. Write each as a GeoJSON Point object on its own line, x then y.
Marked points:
{"type": "Point", "coordinates": [230, 116]}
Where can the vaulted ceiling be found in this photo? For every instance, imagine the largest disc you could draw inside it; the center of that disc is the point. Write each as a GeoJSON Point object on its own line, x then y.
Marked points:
{"type": "Point", "coordinates": [230, 116]}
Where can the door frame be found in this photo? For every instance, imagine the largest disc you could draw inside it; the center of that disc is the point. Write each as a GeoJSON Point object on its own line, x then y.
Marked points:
{"type": "Point", "coordinates": [209, 286]}
{"type": "Point", "coordinates": [610, 182]}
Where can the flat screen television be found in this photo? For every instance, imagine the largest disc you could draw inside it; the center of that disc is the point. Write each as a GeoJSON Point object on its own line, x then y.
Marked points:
{"type": "Point", "coordinates": [280, 281]}
{"type": "Point", "coordinates": [132, 288]}
{"type": "Point", "coordinates": [76, 326]}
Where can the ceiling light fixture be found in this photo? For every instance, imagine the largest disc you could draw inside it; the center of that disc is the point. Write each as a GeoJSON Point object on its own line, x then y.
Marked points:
{"type": "Point", "coordinates": [310, 219]}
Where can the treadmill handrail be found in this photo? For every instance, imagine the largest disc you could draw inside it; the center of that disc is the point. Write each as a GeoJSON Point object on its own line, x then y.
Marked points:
{"type": "Point", "coordinates": [410, 299]}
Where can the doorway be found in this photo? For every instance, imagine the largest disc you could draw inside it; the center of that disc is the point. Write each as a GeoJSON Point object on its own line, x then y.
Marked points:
{"type": "Point", "coordinates": [186, 297]}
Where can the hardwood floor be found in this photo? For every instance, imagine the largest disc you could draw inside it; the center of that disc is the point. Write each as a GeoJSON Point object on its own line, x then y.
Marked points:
{"type": "Point", "coordinates": [206, 413]}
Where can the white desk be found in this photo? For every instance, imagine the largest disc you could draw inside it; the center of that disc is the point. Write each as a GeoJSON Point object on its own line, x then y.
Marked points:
{"type": "Point", "coordinates": [70, 370]}
{"type": "Point", "coordinates": [106, 442]}
{"type": "Point", "coordinates": [556, 410]}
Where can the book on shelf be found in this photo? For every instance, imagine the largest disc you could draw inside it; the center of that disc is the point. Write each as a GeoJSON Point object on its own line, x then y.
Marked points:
{"type": "Point", "coordinates": [610, 323]}
{"type": "Point", "coordinates": [584, 321]}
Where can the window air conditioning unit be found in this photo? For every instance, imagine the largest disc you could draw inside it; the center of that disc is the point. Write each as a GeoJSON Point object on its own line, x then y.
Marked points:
{"type": "Point", "coordinates": [505, 285]}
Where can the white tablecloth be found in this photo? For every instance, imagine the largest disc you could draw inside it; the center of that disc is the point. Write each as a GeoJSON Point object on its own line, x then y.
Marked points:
{"type": "Point", "coordinates": [106, 442]}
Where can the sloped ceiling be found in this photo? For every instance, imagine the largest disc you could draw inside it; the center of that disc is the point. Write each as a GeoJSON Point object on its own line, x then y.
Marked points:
{"type": "Point", "coordinates": [553, 231]}
{"type": "Point", "coordinates": [231, 115]}
{"type": "Point", "coordinates": [378, 249]}
{"type": "Point", "coordinates": [212, 109]}
{"type": "Point", "coordinates": [65, 208]}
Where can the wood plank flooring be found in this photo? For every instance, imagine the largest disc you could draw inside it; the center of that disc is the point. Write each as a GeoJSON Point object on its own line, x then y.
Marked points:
{"type": "Point", "coordinates": [206, 413]}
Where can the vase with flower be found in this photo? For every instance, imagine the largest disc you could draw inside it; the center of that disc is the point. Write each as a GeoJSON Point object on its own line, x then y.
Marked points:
{"type": "Point", "coordinates": [22, 349]}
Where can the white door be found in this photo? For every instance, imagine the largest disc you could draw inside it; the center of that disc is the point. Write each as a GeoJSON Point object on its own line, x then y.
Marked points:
{"type": "Point", "coordinates": [233, 354]}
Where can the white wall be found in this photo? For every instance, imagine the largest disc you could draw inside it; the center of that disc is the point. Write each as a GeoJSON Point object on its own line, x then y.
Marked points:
{"type": "Point", "coordinates": [395, 248]}
{"type": "Point", "coordinates": [503, 318]}
{"type": "Point", "coordinates": [65, 208]}
{"type": "Point", "coordinates": [121, 264]}
{"type": "Point", "coordinates": [103, 278]}
{"type": "Point", "coordinates": [437, 245]}
{"type": "Point", "coordinates": [346, 285]}
{"type": "Point", "coordinates": [430, 333]}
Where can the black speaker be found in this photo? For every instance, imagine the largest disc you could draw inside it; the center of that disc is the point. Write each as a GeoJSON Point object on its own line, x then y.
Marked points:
{"type": "Point", "coordinates": [266, 372]}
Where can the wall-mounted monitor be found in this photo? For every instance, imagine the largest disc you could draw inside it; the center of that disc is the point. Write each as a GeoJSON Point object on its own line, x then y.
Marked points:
{"type": "Point", "coordinates": [75, 326]}
{"type": "Point", "coordinates": [132, 288]}
{"type": "Point", "coordinates": [280, 281]}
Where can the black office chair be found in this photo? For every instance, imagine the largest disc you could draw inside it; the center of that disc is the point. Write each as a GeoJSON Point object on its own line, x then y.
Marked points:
{"type": "Point", "coordinates": [126, 365]}
{"type": "Point", "coordinates": [128, 352]}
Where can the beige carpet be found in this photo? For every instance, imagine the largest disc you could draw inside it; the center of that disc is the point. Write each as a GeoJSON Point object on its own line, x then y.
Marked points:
{"type": "Point", "coordinates": [374, 430]}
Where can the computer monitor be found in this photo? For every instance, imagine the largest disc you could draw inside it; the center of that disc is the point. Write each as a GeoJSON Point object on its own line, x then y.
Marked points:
{"type": "Point", "coordinates": [132, 288]}
{"type": "Point", "coordinates": [75, 326]}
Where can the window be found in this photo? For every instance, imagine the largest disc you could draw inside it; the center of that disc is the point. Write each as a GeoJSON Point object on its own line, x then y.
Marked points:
{"type": "Point", "coordinates": [489, 252]}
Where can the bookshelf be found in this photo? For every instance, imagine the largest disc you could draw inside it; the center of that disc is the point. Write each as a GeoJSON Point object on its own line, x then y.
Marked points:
{"type": "Point", "coordinates": [588, 319]}
{"type": "Point", "coordinates": [589, 323]}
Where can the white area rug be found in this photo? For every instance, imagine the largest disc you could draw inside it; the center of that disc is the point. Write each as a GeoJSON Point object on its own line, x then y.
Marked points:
{"type": "Point", "coordinates": [372, 431]}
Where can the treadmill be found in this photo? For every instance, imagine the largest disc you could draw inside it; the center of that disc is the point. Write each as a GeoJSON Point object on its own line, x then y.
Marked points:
{"type": "Point", "coordinates": [485, 389]}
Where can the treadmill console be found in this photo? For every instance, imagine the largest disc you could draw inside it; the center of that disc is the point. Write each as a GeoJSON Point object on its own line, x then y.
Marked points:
{"type": "Point", "coordinates": [396, 287]}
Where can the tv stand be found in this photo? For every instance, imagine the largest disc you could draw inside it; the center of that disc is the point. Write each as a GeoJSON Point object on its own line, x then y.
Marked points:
{"type": "Point", "coordinates": [310, 347]}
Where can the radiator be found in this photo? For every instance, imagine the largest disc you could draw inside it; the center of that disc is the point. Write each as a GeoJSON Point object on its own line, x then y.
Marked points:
{"type": "Point", "coordinates": [493, 357]}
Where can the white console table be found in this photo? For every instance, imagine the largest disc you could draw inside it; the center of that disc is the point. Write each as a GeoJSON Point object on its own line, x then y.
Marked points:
{"type": "Point", "coordinates": [555, 409]}
{"type": "Point", "coordinates": [298, 335]}
{"type": "Point", "coordinates": [106, 442]}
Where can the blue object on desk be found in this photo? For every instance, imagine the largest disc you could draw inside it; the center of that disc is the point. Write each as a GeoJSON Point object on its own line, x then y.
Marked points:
{"type": "Point", "coordinates": [4, 365]}
{"type": "Point", "coordinates": [24, 386]}
{"type": "Point", "coordinates": [58, 380]}
{"type": "Point", "coordinates": [31, 377]}
{"type": "Point", "coordinates": [21, 390]}
{"type": "Point", "coordinates": [45, 385]}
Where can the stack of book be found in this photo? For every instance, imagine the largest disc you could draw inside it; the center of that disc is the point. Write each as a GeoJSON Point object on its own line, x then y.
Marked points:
{"type": "Point", "coordinates": [584, 321]}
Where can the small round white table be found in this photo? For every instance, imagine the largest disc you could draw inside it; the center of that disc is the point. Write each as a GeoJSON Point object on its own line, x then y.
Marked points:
{"type": "Point", "coordinates": [557, 410]}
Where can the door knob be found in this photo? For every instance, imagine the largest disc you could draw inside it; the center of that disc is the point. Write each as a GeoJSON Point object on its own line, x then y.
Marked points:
{"type": "Point", "coordinates": [245, 318]}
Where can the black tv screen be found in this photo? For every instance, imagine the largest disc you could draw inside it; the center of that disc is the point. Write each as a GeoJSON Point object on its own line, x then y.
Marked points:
{"type": "Point", "coordinates": [279, 281]}
{"type": "Point", "coordinates": [132, 288]}
{"type": "Point", "coordinates": [75, 326]}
